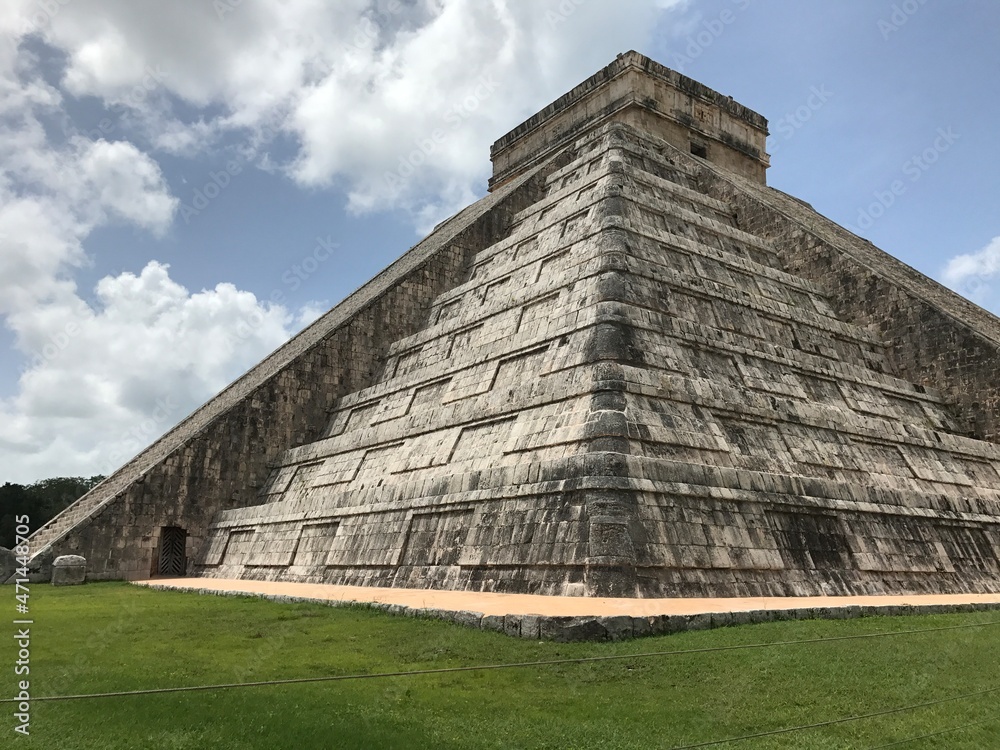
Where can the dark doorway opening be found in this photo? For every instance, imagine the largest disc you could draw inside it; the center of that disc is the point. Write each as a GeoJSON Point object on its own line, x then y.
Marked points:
{"type": "Point", "coordinates": [699, 150]}
{"type": "Point", "coordinates": [173, 560]}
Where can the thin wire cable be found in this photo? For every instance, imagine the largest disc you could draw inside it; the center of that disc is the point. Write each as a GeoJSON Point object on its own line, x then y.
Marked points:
{"type": "Point", "coordinates": [935, 734]}
{"type": "Point", "coordinates": [844, 720]}
{"type": "Point", "coordinates": [512, 665]}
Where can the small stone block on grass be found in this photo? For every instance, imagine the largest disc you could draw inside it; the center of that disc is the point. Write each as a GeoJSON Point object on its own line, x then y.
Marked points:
{"type": "Point", "coordinates": [69, 570]}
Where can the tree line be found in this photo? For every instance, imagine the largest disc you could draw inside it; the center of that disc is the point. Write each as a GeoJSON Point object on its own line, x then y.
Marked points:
{"type": "Point", "coordinates": [40, 501]}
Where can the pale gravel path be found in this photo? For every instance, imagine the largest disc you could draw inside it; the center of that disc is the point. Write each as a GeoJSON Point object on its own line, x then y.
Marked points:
{"type": "Point", "coordinates": [552, 606]}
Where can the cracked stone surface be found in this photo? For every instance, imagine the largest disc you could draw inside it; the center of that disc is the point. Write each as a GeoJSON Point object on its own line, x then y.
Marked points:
{"type": "Point", "coordinates": [628, 372]}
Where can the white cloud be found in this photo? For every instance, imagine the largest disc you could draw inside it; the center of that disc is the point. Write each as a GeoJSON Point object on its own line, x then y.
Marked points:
{"type": "Point", "coordinates": [351, 92]}
{"type": "Point", "coordinates": [101, 379]}
{"type": "Point", "coordinates": [410, 124]}
{"type": "Point", "coordinates": [974, 274]}
{"type": "Point", "coordinates": [144, 356]}
{"type": "Point", "coordinates": [984, 264]}
{"type": "Point", "coordinates": [126, 183]}
{"type": "Point", "coordinates": [368, 90]}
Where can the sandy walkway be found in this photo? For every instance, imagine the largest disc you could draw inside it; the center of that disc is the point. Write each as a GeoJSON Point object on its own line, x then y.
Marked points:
{"type": "Point", "coordinates": [552, 606]}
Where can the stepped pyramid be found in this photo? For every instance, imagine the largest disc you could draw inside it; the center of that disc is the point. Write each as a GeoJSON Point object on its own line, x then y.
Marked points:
{"type": "Point", "coordinates": [631, 370]}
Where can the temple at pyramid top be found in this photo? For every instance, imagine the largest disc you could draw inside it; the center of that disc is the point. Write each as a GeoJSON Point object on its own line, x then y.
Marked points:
{"type": "Point", "coordinates": [633, 369]}
{"type": "Point", "coordinates": [654, 99]}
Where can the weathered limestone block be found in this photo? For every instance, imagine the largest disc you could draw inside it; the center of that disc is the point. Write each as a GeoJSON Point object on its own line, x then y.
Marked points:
{"type": "Point", "coordinates": [69, 570]}
{"type": "Point", "coordinates": [512, 625]}
{"type": "Point", "coordinates": [531, 626]}
{"type": "Point", "coordinates": [492, 622]}
{"type": "Point", "coordinates": [466, 618]}
{"type": "Point", "coordinates": [570, 629]}
{"type": "Point", "coordinates": [618, 628]}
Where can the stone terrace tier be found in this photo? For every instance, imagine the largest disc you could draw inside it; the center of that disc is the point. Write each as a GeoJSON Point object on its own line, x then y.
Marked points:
{"type": "Point", "coordinates": [633, 370]}
{"type": "Point", "coordinates": [630, 395]}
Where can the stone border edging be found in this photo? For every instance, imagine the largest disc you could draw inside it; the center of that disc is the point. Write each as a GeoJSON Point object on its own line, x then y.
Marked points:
{"type": "Point", "coordinates": [567, 629]}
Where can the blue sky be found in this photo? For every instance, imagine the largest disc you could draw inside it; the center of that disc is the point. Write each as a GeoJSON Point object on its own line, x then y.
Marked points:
{"type": "Point", "coordinates": [184, 185]}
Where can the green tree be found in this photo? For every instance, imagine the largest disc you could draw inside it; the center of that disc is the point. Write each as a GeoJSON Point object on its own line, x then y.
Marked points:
{"type": "Point", "coordinates": [14, 501]}
{"type": "Point", "coordinates": [40, 501]}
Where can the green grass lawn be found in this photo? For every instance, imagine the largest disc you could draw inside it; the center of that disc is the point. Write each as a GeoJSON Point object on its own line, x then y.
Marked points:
{"type": "Point", "coordinates": [110, 636]}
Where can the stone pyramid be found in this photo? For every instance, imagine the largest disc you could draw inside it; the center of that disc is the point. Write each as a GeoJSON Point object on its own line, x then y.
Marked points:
{"type": "Point", "coordinates": [631, 370]}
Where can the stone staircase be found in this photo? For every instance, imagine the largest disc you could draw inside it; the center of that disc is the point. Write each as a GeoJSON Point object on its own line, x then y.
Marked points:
{"type": "Point", "coordinates": [67, 519]}
{"type": "Point", "coordinates": [771, 440]}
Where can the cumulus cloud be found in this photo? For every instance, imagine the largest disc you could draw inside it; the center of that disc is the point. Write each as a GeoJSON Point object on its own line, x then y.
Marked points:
{"type": "Point", "coordinates": [106, 379]}
{"type": "Point", "coordinates": [397, 100]}
{"type": "Point", "coordinates": [392, 102]}
{"type": "Point", "coordinates": [984, 264]}
{"type": "Point", "coordinates": [975, 274]}
{"type": "Point", "coordinates": [102, 378]}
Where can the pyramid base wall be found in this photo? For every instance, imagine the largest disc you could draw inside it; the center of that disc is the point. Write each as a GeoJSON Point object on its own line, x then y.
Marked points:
{"type": "Point", "coordinates": [611, 536]}
{"type": "Point", "coordinates": [516, 539]}
{"type": "Point", "coordinates": [700, 546]}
